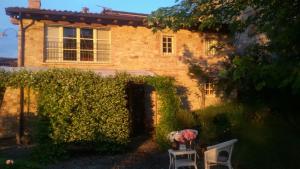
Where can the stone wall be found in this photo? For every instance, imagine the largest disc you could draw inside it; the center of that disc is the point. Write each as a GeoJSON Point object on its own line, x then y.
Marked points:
{"type": "Point", "coordinates": [135, 48]}
{"type": "Point", "coordinates": [10, 110]}
{"type": "Point", "coordinates": [132, 48]}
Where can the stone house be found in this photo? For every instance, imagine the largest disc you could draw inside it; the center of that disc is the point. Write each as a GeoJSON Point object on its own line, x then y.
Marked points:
{"type": "Point", "coordinates": [107, 42]}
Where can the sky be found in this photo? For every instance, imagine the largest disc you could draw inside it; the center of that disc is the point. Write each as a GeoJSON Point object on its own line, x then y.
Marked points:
{"type": "Point", "coordinates": [9, 44]}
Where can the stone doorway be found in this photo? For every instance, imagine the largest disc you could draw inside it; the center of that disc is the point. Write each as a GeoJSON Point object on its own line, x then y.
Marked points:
{"type": "Point", "coordinates": [140, 109]}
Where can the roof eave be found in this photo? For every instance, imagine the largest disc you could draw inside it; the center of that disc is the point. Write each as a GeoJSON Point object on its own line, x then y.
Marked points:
{"type": "Point", "coordinates": [38, 14]}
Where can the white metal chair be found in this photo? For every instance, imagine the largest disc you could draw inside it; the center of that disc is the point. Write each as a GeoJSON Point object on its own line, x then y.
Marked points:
{"type": "Point", "coordinates": [219, 154]}
{"type": "Point", "coordinates": [188, 158]}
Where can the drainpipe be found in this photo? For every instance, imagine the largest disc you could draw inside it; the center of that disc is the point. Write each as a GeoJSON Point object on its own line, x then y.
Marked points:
{"type": "Point", "coordinates": [21, 61]}
{"type": "Point", "coordinates": [21, 64]}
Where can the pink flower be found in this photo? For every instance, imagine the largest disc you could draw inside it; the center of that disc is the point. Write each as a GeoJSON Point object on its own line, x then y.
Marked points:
{"type": "Point", "coordinates": [183, 135]}
{"type": "Point", "coordinates": [189, 134]}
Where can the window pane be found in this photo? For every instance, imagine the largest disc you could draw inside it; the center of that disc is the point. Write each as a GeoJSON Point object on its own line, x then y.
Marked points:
{"type": "Point", "coordinates": [169, 39]}
{"type": "Point", "coordinates": [103, 34]}
{"type": "Point", "coordinates": [206, 86]}
{"type": "Point", "coordinates": [169, 50]}
{"type": "Point", "coordinates": [52, 32]}
{"type": "Point", "coordinates": [211, 45]}
{"type": "Point", "coordinates": [86, 33]}
{"type": "Point", "coordinates": [69, 43]}
{"type": "Point", "coordinates": [70, 55]}
{"type": "Point", "coordinates": [164, 39]}
{"type": "Point", "coordinates": [103, 56]}
{"type": "Point", "coordinates": [103, 45]}
{"type": "Point", "coordinates": [86, 55]}
{"type": "Point", "coordinates": [86, 44]}
{"type": "Point", "coordinates": [52, 54]}
{"type": "Point", "coordinates": [70, 32]}
{"type": "Point", "coordinates": [52, 43]}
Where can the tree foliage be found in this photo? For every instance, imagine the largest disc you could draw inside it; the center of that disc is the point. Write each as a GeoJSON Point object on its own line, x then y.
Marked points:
{"type": "Point", "coordinates": [268, 72]}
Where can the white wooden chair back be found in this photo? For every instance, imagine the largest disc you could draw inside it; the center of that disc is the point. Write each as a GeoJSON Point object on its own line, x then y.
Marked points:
{"type": "Point", "coordinates": [213, 153]}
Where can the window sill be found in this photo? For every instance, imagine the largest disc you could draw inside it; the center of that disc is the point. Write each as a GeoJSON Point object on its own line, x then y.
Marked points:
{"type": "Point", "coordinates": [76, 63]}
{"type": "Point", "coordinates": [210, 95]}
{"type": "Point", "coordinates": [168, 54]}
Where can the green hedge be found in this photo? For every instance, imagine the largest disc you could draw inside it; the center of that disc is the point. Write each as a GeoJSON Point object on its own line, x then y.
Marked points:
{"type": "Point", "coordinates": [82, 107]}
{"type": "Point", "coordinates": [3, 80]}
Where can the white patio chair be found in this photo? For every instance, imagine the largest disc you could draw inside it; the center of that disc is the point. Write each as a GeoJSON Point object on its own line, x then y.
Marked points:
{"type": "Point", "coordinates": [219, 154]}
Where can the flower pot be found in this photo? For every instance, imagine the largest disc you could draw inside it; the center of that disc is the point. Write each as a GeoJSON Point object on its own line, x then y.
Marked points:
{"type": "Point", "coordinates": [190, 145]}
{"type": "Point", "coordinates": [175, 145]}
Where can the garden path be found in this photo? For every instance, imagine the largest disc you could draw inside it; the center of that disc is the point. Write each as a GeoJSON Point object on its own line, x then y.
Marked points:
{"type": "Point", "coordinates": [145, 156]}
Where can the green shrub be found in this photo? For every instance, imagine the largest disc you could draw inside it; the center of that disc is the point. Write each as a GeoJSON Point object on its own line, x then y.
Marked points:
{"type": "Point", "coordinates": [217, 122]}
{"type": "Point", "coordinates": [265, 141]}
{"type": "Point", "coordinates": [82, 107]}
{"type": "Point", "coordinates": [4, 76]}
{"type": "Point", "coordinates": [186, 119]}
{"type": "Point", "coordinates": [49, 152]}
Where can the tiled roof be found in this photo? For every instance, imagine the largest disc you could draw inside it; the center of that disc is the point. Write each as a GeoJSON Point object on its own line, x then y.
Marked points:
{"type": "Point", "coordinates": [105, 17]}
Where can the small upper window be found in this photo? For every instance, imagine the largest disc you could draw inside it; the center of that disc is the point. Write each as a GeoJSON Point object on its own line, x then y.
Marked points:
{"type": "Point", "coordinates": [167, 44]}
{"type": "Point", "coordinates": [209, 88]}
{"type": "Point", "coordinates": [210, 47]}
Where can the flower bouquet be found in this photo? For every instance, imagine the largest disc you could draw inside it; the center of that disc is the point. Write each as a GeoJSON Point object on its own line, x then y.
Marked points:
{"type": "Point", "coordinates": [180, 139]}
{"type": "Point", "coordinates": [189, 136]}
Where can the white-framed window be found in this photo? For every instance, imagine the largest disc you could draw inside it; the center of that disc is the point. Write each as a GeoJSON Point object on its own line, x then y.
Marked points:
{"type": "Point", "coordinates": [168, 44]}
{"type": "Point", "coordinates": [86, 44]}
{"type": "Point", "coordinates": [53, 45]}
{"type": "Point", "coordinates": [71, 44]}
{"type": "Point", "coordinates": [210, 47]}
{"type": "Point", "coordinates": [103, 45]}
{"type": "Point", "coordinates": [209, 88]}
